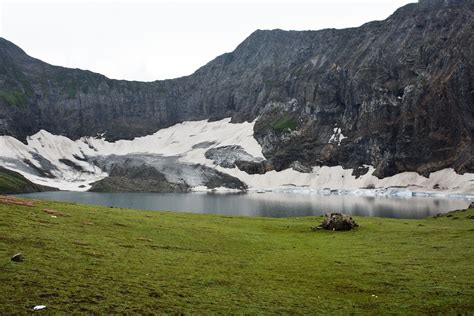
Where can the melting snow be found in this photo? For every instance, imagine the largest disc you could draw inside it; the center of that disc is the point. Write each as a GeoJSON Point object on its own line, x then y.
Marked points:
{"type": "Point", "coordinates": [180, 141]}
{"type": "Point", "coordinates": [337, 137]}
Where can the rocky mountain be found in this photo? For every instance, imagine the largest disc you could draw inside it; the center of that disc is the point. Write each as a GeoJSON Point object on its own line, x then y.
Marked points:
{"type": "Point", "coordinates": [396, 94]}
{"type": "Point", "coordinates": [153, 173]}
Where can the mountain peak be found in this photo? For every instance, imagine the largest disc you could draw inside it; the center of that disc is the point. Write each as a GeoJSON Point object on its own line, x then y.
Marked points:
{"type": "Point", "coordinates": [9, 47]}
{"type": "Point", "coordinates": [398, 90]}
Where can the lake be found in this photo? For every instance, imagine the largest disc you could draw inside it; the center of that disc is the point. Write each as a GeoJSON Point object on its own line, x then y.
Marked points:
{"type": "Point", "coordinates": [269, 204]}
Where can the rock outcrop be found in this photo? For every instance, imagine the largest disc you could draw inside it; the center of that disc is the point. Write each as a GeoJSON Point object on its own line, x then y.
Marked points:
{"type": "Point", "coordinates": [154, 173]}
{"type": "Point", "coordinates": [18, 258]}
{"type": "Point", "coordinates": [337, 222]}
{"type": "Point", "coordinates": [395, 94]}
{"type": "Point", "coordinates": [235, 156]}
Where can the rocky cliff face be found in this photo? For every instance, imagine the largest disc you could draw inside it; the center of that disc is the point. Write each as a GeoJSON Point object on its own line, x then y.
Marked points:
{"type": "Point", "coordinates": [396, 94]}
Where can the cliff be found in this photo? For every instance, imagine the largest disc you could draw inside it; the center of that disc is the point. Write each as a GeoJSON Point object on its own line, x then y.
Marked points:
{"type": "Point", "coordinates": [395, 94]}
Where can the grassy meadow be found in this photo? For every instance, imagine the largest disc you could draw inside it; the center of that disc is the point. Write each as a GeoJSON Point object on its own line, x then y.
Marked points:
{"type": "Point", "coordinates": [99, 260]}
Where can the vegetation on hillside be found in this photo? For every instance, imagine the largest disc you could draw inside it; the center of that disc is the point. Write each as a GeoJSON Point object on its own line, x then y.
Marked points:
{"type": "Point", "coordinates": [12, 182]}
{"type": "Point", "coordinates": [13, 98]}
{"type": "Point", "coordinates": [284, 123]}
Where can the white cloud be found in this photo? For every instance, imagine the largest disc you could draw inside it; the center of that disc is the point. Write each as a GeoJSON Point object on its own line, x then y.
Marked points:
{"type": "Point", "coordinates": [1, 18]}
{"type": "Point", "coordinates": [149, 40]}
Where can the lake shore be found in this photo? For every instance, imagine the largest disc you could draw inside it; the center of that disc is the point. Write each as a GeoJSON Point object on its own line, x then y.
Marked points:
{"type": "Point", "coordinates": [268, 204]}
{"type": "Point", "coordinates": [93, 259]}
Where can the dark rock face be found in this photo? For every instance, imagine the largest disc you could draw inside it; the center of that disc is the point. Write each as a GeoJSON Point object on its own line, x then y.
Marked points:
{"type": "Point", "coordinates": [232, 156]}
{"type": "Point", "coordinates": [298, 166]}
{"type": "Point", "coordinates": [154, 173]}
{"type": "Point", "coordinates": [396, 94]}
{"type": "Point", "coordinates": [235, 156]}
{"type": "Point", "coordinates": [338, 222]}
{"type": "Point", "coordinates": [253, 167]}
{"type": "Point", "coordinates": [203, 145]}
{"type": "Point", "coordinates": [360, 171]}
{"type": "Point", "coordinates": [136, 179]}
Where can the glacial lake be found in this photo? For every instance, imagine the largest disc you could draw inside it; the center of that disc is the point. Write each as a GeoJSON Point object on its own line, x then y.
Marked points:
{"type": "Point", "coordinates": [269, 204]}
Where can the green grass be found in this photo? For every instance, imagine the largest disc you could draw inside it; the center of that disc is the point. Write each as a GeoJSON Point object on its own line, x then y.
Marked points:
{"type": "Point", "coordinates": [13, 98]}
{"type": "Point", "coordinates": [109, 260]}
{"type": "Point", "coordinates": [13, 182]}
{"type": "Point", "coordinates": [284, 123]}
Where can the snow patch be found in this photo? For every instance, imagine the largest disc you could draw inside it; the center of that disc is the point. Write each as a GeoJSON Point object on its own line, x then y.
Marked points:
{"type": "Point", "coordinates": [337, 137]}
{"type": "Point", "coordinates": [177, 140]}
{"type": "Point", "coordinates": [185, 141]}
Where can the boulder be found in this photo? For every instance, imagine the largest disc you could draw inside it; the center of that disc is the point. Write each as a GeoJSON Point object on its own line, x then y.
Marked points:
{"type": "Point", "coordinates": [298, 166]}
{"type": "Point", "coordinates": [253, 167]}
{"type": "Point", "coordinates": [18, 258]}
{"type": "Point", "coordinates": [338, 222]}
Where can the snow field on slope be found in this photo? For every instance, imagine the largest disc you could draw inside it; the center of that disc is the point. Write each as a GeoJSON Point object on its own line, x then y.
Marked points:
{"type": "Point", "coordinates": [178, 141]}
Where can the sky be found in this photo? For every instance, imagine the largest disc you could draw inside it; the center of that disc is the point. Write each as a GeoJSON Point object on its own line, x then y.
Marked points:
{"type": "Point", "coordinates": [149, 40]}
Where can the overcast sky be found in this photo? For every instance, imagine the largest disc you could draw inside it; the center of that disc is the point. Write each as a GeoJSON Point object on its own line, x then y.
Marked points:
{"type": "Point", "coordinates": [162, 39]}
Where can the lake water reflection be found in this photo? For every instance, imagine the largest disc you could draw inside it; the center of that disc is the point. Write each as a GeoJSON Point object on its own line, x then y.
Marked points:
{"type": "Point", "coordinates": [268, 204]}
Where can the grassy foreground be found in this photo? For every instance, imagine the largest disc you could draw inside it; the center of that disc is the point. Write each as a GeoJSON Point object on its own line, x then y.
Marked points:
{"type": "Point", "coordinates": [102, 260]}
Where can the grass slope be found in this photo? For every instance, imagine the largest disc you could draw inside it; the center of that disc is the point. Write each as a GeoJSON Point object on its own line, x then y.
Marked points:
{"type": "Point", "coordinates": [12, 182]}
{"type": "Point", "coordinates": [103, 260]}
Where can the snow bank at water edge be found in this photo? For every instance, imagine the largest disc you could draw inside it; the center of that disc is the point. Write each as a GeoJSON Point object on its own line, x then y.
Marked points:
{"type": "Point", "coordinates": [336, 178]}
{"type": "Point", "coordinates": [60, 162]}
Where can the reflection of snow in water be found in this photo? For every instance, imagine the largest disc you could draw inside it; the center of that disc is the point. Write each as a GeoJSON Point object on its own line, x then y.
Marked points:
{"type": "Point", "coordinates": [267, 204]}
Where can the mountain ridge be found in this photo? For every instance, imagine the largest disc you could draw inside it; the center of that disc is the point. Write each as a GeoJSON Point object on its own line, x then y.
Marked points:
{"type": "Point", "coordinates": [399, 90]}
